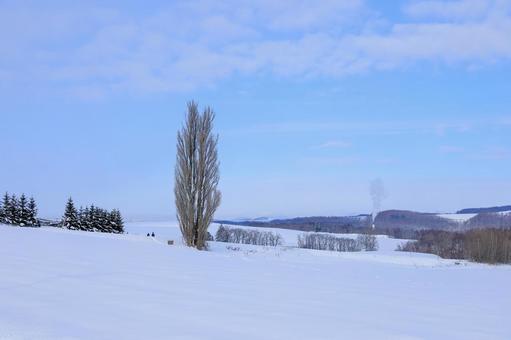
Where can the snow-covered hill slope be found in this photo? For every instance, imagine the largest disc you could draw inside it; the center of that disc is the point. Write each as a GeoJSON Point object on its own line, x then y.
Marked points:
{"type": "Point", "coordinates": [460, 218]}
{"type": "Point", "coordinates": [58, 284]}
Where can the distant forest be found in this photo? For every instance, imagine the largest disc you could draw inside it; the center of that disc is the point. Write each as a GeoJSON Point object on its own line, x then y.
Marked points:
{"type": "Point", "coordinates": [395, 223]}
{"type": "Point", "coordinates": [485, 210]}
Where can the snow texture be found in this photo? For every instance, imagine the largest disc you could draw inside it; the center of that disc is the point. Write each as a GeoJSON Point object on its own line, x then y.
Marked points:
{"type": "Point", "coordinates": [457, 217]}
{"type": "Point", "coordinates": [61, 284]}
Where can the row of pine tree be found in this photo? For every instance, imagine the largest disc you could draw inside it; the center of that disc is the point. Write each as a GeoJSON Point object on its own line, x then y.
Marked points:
{"type": "Point", "coordinates": [18, 211]}
{"type": "Point", "coordinates": [92, 219]}
{"type": "Point", "coordinates": [23, 212]}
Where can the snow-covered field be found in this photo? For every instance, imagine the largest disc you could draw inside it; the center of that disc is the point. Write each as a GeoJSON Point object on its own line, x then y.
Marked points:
{"type": "Point", "coordinates": [58, 284]}
{"type": "Point", "coordinates": [457, 217]}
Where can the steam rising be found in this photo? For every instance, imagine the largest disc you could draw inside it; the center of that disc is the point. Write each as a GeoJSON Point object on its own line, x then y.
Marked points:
{"type": "Point", "coordinates": [378, 194]}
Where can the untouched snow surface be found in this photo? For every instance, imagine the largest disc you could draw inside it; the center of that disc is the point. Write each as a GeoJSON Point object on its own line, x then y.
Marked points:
{"type": "Point", "coordinates": [58, 284]}
{"type": "Point", "coordinates": [457, 217]}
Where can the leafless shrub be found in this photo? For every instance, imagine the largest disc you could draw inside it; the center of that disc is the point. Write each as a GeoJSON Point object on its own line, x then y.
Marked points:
{"type": "Point", "coordinates": [488, 245]}
{"type": "Point", "coordinates": [196, 176]}
{"type": "Point", "coordinates": [327, 242]}
{"type": "Point", "coordinates": [368, 241]}
{"type": "Point", "coordinates": [480, 245]}
{"type": "Point", "coordinates": [255, 237]}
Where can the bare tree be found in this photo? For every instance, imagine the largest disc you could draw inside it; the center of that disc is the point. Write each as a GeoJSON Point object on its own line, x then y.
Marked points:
{"type": "Point", "coordinates": [327, 242]}
{"type": "Point", "coordinates": [196, 176]}
{"type": "Point", "coordinates": [255, 237]}
{"type": "Point", "coordinates": [367, 240]}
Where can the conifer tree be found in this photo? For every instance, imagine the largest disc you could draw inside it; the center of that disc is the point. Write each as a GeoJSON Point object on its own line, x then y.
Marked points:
{"type": "Point", "coordinates": [14, 213]}
{"type": "Point", "coordinates": [104, 221]}
{"type": "Point", "coordinates": [23, 211]}
{"type": "Point", "coordinates": [81, 220]}
{"type": "Point", "coordinates": [100, 220]}
{"type": "Point", "coordinates": [6, 209]}
{"type": "Point", "coordinates": [93, 218]}
{"type": "Point", "coordinates": [32, 212]}
{"type": "Point", "coordinates": [85, 221]}
{"type": "Point", "coordinates": [2, 213]}
{"type": "Point", "coordinates": [116, 222]}
{"type": "Point", "coordinates": [70, 218]}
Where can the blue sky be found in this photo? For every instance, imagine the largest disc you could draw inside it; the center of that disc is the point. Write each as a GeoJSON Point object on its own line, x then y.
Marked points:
{"type": "Point", "coordinates": [313, 101]}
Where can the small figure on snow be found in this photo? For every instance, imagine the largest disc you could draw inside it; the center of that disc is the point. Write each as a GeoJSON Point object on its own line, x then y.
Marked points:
{"type": "Point", "coordinates": [152, 235]}
{"type": "Point", "coordinates": [148, 235]}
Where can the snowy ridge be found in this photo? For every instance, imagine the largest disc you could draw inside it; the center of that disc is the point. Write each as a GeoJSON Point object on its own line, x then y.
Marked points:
{"type": "Point", "coordinates": [457, 217]}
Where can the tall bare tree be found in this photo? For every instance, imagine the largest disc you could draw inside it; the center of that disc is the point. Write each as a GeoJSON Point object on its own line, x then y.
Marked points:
{"type": "Point", "coordinates": [196, 176]}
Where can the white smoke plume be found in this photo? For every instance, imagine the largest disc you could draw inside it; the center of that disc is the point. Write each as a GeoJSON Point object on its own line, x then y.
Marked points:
{"type": "Point", "coordinates": [378, 194]}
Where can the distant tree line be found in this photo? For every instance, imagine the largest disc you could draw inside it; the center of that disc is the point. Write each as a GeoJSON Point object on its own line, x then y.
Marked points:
{"type": "Point", "coordinates": [328, 224]}
{"type": "Point", "coordinates": [489, 220]}
{"type": "Point", "coordinates": [398, 224]}
{"type": "Point", "coordinates": [489, 245]}
{"type": "Point", "coordinates": [328, 242]}
{"type": "Point", "coordinates": [92, 218]}
{"type": "Point", "coordinates": [404, 219]}
{"type": "Point", "coordinates": [504, 208]}
{"type": "Point", "coordinates": [255, 237]}
{"type": "Point", "coordinates": [18, 211]}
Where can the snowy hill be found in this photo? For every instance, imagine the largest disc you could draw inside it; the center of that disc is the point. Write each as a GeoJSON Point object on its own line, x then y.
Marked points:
{"type": "Point", "coordinates": [59, 284]}
{"type": "Point", "coordinates": [460, 218]}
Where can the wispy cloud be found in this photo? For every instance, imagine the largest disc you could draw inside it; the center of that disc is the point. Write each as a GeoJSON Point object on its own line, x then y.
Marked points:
{"type": "Point", "coordinates": [92, 49]}
{"type": "Point", "coordinates": [460, 9]}
{"type": "Point", "coordinates": [496, 153]}
{"type": "Point", "coordinates": [451, 149]}
{"type": "Point", "coordinates": [374, 127]}
{"type": "Point", "coordinates": [334, 144]}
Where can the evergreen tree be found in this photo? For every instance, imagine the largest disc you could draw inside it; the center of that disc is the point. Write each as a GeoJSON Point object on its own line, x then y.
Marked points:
{"type": "Point", "coordinates": [93, 218]}
{"type": "Point", "coordinates": [2, 212]}
{"type": "Point", "coordinates": [103, 224]}
{"type": "Point", "coordinates": [23, 211]}
{"type": "Point", "coordinates": [70, 218]}
{"type": "Point", "coordinates": [14, 211]}
{"type": "Point", "coordinates": [85, 220]}
{"type": "Point", "coordinates": [116, 222]}
{"type": "Point", "coordinates": [6, 209]}
{"type": "Point", "coordinates": [81, 219]}
{"type": "Point", "coordinates": [32, 212]}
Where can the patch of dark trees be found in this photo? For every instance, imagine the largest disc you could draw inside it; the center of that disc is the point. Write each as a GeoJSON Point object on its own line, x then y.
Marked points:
{"type": "Point", "coordinates": [404, 219]}
{"type": "Point", "coordinates": [400, 224]}
{"type": "Point", "coordinates": [488, 245]}
{"type": "Point", "coordinates": [244, 236]}
{"type": "Point", "coordinates": [92, 218]}
{"type": "Point", "coordinates": [334, 225]}
{"type": "Point", "coordinates": [329, 224]}
{"type": "Point", "coordinates": [20, 211]}
{"type": "Point", "coordinates": [328, 242]}
{"type": "Point", "coordinates": [416, 221]}
{"type": "Point", "coordinates": [485, 210]}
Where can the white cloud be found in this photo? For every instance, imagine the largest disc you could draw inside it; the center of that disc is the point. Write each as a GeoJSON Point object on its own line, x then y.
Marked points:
{"type": "Point", "coordinates": [373, 127]}
{"type": "Point", "coordinates": [334, 144]}
{"type": "Point", "coordinates": [451, 149]}
{"type": "Point", "coordinates": [496, 153]}
{"type": "Point", "coordinates": [197, 43]}
{"type": "Point", "coordinates": [462, 9]}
